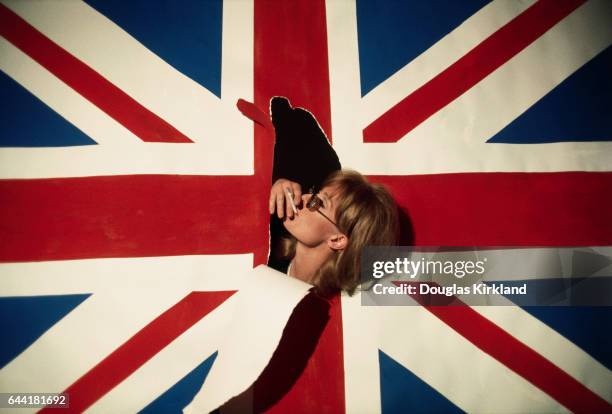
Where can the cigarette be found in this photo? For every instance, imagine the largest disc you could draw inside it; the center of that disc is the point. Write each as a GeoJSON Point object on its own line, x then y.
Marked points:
{"type": "Point", "coordinates": [291, 201]}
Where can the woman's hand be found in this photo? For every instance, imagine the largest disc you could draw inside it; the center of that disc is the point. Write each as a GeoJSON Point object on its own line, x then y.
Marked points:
{"type": "Point", "coordinates": [280, 195]}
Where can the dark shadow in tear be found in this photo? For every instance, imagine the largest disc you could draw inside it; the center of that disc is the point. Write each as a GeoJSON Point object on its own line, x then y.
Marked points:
{"type": "Point", "coordinates": [302, 154]}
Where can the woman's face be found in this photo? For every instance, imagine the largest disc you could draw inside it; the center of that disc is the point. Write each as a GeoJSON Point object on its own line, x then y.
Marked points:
{"type": "Point", "coordinates": [310, 227]}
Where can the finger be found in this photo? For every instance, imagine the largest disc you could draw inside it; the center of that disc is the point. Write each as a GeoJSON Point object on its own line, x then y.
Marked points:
{"type": "Point", "coordinates": [271, 202]}
{"type": "Point", "coordinates": [279, 204]}
{"type": "Point", "coordinates": [297, 193]}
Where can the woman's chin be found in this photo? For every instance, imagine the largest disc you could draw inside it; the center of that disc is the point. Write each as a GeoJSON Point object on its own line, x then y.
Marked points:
{"type": "Point", "coordinates": [292, 227]}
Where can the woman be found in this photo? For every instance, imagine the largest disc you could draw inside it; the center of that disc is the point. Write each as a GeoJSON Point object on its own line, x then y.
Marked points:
{"type": "Point", "coordinates": [330, 227]}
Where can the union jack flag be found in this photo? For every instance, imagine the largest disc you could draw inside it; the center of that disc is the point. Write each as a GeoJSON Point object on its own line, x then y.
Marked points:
{"type": "Point", "coordinates": [133, 193]}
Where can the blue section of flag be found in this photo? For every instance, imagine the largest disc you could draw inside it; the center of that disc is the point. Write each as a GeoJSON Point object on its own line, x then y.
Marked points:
{"type": "Point", "coordinates": [576, 110]}
{"type": "Point", "coordinates": [182, 393]}
{"type": "Point", "coordinates": [25, 318]}
{"type": "Point", "coordinates": [393, 33]}
{"type": "Point", "coordinates": [403, 392]}
{"type": "Point", "coordinates": [587, 327]}
{"type": "Point", "coordinates": [26, 121]}
{"type": "Point", "coordinates": [186, 35]}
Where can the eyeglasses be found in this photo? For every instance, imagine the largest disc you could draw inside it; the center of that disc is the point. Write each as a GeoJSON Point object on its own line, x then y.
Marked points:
{"type": "Point", "coordinates": [315, 203]}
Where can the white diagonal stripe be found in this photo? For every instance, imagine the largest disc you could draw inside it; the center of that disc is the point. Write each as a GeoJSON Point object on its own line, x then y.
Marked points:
{"type": "Point", "coordinates": [454, 139]}
{"type": "Point", "coordinates": [223, 137]}
{"type": "Point", "coordinates": [64, 100]}
{"type": "Point", "coordinates": [434, 352]}
{"type": "Point", "coordinates": [440, 56]}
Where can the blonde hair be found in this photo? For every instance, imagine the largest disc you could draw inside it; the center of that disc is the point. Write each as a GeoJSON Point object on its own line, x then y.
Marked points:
{"type": "Point", "coordinates": [367, 214]}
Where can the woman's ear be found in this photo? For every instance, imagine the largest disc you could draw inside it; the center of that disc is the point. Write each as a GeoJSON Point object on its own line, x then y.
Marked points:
{"type": "Point", "coordinates": [337, 241]}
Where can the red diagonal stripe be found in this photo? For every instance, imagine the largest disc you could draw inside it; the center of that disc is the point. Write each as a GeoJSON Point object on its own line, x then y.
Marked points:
{"type": "Point", "coordinates": [481, 61]}
{"type": "Point", "coordinates": [141, 347]}
{"type": "Point", "coordinates": [517, 356]}
{"type": "Point", "coordinates": [87, 82]}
